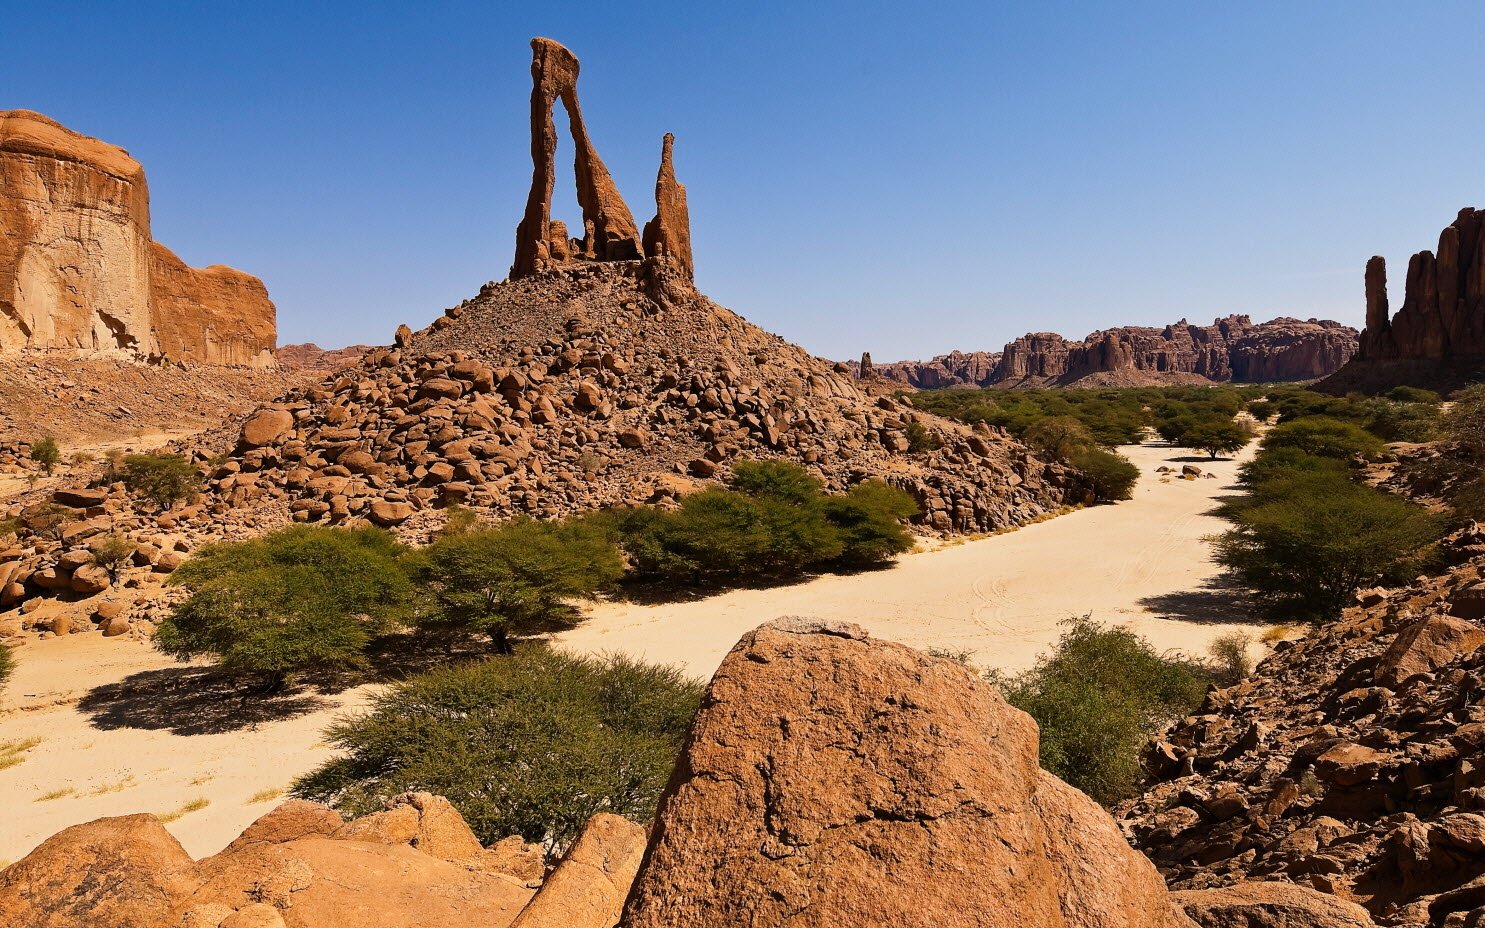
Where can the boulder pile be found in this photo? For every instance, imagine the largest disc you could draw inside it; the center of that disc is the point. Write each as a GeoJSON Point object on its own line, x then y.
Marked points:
{"type": "Point", "coordinates": [1352, 761]}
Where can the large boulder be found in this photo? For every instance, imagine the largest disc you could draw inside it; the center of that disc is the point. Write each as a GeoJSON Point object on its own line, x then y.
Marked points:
{"type": "Point", "coordinates": [125, 872]}
{"type": "Point", "coordinates": [830, 779]}
{"type": "Point", "coordinates": [1270, 905]}
{"type": "Point", "coordinates": [1426, 646]}
{"type": "Point", "coordinates": [266, 426]}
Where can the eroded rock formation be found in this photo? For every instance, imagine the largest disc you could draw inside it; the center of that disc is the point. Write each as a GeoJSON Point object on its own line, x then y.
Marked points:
{"type": "Point", "coordinates": [1233, 348]}
{"type": "Point", "coordinates": [79, 271]}
{"type": "Point", "coordinates": [609, 231]}
{"type": "Point", "coordinates": [1437, 338]}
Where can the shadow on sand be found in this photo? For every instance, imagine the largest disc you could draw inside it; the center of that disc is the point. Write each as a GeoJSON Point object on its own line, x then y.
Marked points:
{"type": "Point", "coordinates": [1218, 600]}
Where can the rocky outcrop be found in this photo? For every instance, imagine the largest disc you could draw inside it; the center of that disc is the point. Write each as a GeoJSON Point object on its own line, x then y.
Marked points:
{"type": "Point", "coordinates": [609, 232]}
{"type": "Point", "coordinates": [311, 357]}
{"type": "Point", "coordinates": [214, 315]}
{"type": "Point", "coordinates": [1437, 337]}
{"type": "Point", "coordinates": [1351, 762]}
{"type": "Point", "coordinates": [79, 271]}
{"type": "Point", "coordinates": [669, 233]}
{"type": "Point", "coordinates": [1230, 349]}
{"type": "Point", "coordinates": [830, 779]}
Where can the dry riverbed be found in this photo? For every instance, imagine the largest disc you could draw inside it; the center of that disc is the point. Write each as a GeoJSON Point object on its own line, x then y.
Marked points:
{"type": "Point", "coordinates": [109, 727]}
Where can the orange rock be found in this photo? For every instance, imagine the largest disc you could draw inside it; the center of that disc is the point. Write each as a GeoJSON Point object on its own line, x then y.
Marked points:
{"type": "Point", "coordinates": [587, 890]}
{"type": "Point", "coordinates": [669, 233]}
{"type": "Point", "coordinates": [214, 315]}
{"type": "Point", "coordinates": [1270, 905]}
{"type": "Point", "coordinates": [830, 779]}
{"type": "Point", "coordinates": [1426, 646]}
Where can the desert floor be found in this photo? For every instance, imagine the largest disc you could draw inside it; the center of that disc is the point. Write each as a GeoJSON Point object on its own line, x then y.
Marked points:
{"type": "Point", "coordinates": [118, 728]}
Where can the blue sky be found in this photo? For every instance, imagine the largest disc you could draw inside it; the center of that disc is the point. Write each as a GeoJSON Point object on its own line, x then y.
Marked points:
{"type": "Point", "coordinates": [900, 178]}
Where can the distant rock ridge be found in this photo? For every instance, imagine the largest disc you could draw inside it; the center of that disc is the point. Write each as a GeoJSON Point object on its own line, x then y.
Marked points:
{"type": "Point", "coordinates": [79, 271]}
{"type": "Point", "coordinates": [1233, 348]}
{"type": "Point", "coordinates": [311, 357]}
{"type": "Point", "coordinates": [1437, 338]}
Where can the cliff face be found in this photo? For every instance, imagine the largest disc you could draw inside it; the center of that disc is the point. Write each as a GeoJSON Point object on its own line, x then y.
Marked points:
{"type": "Point", "coordinates": [79, 271]}
{"type": "Point", "coordinates": [1437, 338]}
{"type": "Point", "coordinates": [74, 241]}
{"type": "Point", "coordinates": [1230, 349]}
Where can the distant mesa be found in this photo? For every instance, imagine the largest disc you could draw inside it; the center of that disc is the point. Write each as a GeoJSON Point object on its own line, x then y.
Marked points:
{"type": "Point", "coordinates": [1231, 349]}
{"type": "Point", "coordinates": [311, 357]}
{"type": "Point", "coordinates": [1437, 338]}
{"type": "Point", "coordinates": [79, 271]}
{"type": "Point", "coordinates": [609, 232]}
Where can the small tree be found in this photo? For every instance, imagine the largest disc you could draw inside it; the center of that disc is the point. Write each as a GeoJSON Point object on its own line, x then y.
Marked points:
{"type": "Point", "coordinates": [1112, 475]}
{"type": "Point", "coordinates": [869, 519]}
{"type": "Point", "coordinates": [1061, 437]}
{"type": "Point", "coordinates": [112, 553]}
{"type": "Point", "coordinates": [1098, 696]}
{"type": "Point", "coordinates": [920, 440]}
{"type": "Point", "coordinates": [517, 578]}
{"type": "Point", "coordinates": [1216, 436]}
{"type": "Point", "coordinates": [1306, 543]}
{"type": "Point", "coordinates": [46, 453]}
{"type": "Point", "coordinates": [532, 744]}
{"type": "Point", "coordinates": [163, 479]}
{"type": "Point", "coordinates": [301, 598]}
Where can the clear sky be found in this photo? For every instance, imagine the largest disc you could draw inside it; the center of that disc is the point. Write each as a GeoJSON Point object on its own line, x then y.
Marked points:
{"type": "Point", "coordinates": [904, 178]}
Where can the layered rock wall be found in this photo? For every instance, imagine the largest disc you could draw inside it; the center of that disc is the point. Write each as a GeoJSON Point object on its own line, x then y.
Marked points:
{"type": "Point", "coordinates": [79, 271]}
{"type": "Point", "coordinates": [1230, 349]}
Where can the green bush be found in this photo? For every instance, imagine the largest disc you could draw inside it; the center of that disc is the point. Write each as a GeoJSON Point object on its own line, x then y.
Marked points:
{"type": "Point", "coordinates": [531, 744]}
{"type": "Point", "coordinates": [919, 439]}
{"type": "Point", "coordinates": [1098, 697]}
{"type": "Point", "coordinates": [163, 479]}
{"type": "Point", "coordinates": [1060, 437]}
{"type": "Point", "coordinates": [1405, 394]}
{"type": "Point", "coordinates": [112, 553]}
{"type": "Point", "coordinates": [1230, 656]}
{"type": "Point", "coordinates": [46, 453]}
{"type": "Point", "coordinates": [1325, 437]}
{"type": "Point", "coordinates": [1112, 475]}
{"type": "Point", "coordinates": [516, 578]}
{"type": "Point", "coordinates": [772, 520]}
{"type": "Point", "coordinates": [1272, 463]}
{"type": "Point", "coordinates": [1305, 542]}
{"type": "Point", "coordinates": [301, 598]}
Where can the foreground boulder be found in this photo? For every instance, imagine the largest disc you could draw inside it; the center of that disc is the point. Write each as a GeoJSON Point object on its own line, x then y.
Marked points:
{"type": "Point", "coordinates": [831, 779]}
{"type": "Point", "coordinates": [1270, 905]}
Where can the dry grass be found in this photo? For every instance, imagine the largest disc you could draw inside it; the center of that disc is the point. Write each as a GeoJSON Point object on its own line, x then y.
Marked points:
{"type": "Point", "coordinates": [266, 795]}
{"type": "Point", "coordinates": [195, 805]}
{"type": "Point", "coordinates": [56, 794]}
{"type": "Point", "coordinates": [13, 752]}
{"type": "Point", "coordinates": [204, 778]}
{"type": "Point", "coordinates": [118, 787]}
{"type": "Point", "coordinates": [1277, 633]}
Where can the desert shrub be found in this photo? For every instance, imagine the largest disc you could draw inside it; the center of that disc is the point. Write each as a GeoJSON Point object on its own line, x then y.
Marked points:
{"type": "Point", "coordinates": [772, 520]}
{"type": "Point", "coordinates": [920, 439]}
{"type": "Point", "coordinates": [7, 664]}
{"type": "Point", "coordinates": [1097, 697]}
{"type": "Point", "coordinates": [1405, 394]}
{"type": "Point", "coordinates": [1230, 659]}
{"type": "Point", "coordinates": [163, 479]}
{"type": "Point", "coordinates": [1216, 436]}
{"type": "Point", "coordinates": [1325, 437]}
{"type": "Point", "coordinates": [112, 553]}
{"type": "Point", "coordinates": [301, 598]}
{"type": "Point", "coordinates": [1112, 475]}
{"type": "Point", "coordinates": [530, 744]}
{"type": "Point", "coordinates": [516, 578]}
{"type": "Point", "coordinates": [1306, 542]}
{"type": "Point", "coordinates": [869, 520]}
{"type": "Point", "coordinates": [46, 453]}
{"type": "Point", "coordinates": [1272, 463]}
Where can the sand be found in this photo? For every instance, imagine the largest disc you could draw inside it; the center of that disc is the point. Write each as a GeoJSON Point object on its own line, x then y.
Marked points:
{"type": "Point", "coordinates": [125, 730]}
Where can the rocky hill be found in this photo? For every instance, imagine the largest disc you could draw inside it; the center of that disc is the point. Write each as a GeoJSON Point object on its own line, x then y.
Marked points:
{"type": "Point", "coordinates": [1351, 761]}
{"type": "Point", "coordinates": [81, 274]}
{"type": "Point", "coordinates": [829, 779]}
{"type": "Point", "coordinates": [1437, 337]}
{"type": "Point", "coordinates": [1233, 348]}
{"type": "Point", "coordinates": [311, 357]}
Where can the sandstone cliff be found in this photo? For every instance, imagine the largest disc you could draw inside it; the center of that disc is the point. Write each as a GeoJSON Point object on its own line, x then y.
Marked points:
{"type": "Point", "coordinates": [79, 271]}
{"type": "Point", "coordinates": [1437, 338]}
{"type": "Point", "coordinates": [1233, 348]}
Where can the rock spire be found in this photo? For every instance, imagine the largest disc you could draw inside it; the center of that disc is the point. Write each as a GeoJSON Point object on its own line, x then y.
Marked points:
{"type": "Point", "coordinates": [669, 233]}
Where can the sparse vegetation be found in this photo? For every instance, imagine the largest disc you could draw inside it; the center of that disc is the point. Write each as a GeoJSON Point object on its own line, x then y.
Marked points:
{"type": "Point", "coordinates": [267, 794]}
{"type": "Point", "coordinates": [533, 743]}
{"type": "Point", "coordinates": [1230, 658]}
{"type": "Point", "coordinates": [1098, 696]}
{"type": "Point", "coordinates": [7, 664]}
{"type": "Point", "coordinates": [112, 553]}
{"type": "Point", "coordinates": [921, 440]}
{"type": "Point", "coordinates": [14, 752]}
{"type": "Point", "coordinates": [301, 598]}
{"type": "Point", "coordinates": [59, 793]}
{"type": "Point", "coordinates": [44, 451]}
{"type": "Point", "coordinates": [195, 805]}
{"type": "Point", "coordinates": [163, 479]}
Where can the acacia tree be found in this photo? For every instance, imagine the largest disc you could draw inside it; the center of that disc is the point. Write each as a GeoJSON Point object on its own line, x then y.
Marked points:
{"type": "Point", "coordinates": [516, 578]}
{"type": "Point", "coordinates": [1216, 436]}
{"type": "Point", "coordinates": [301, 598]}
